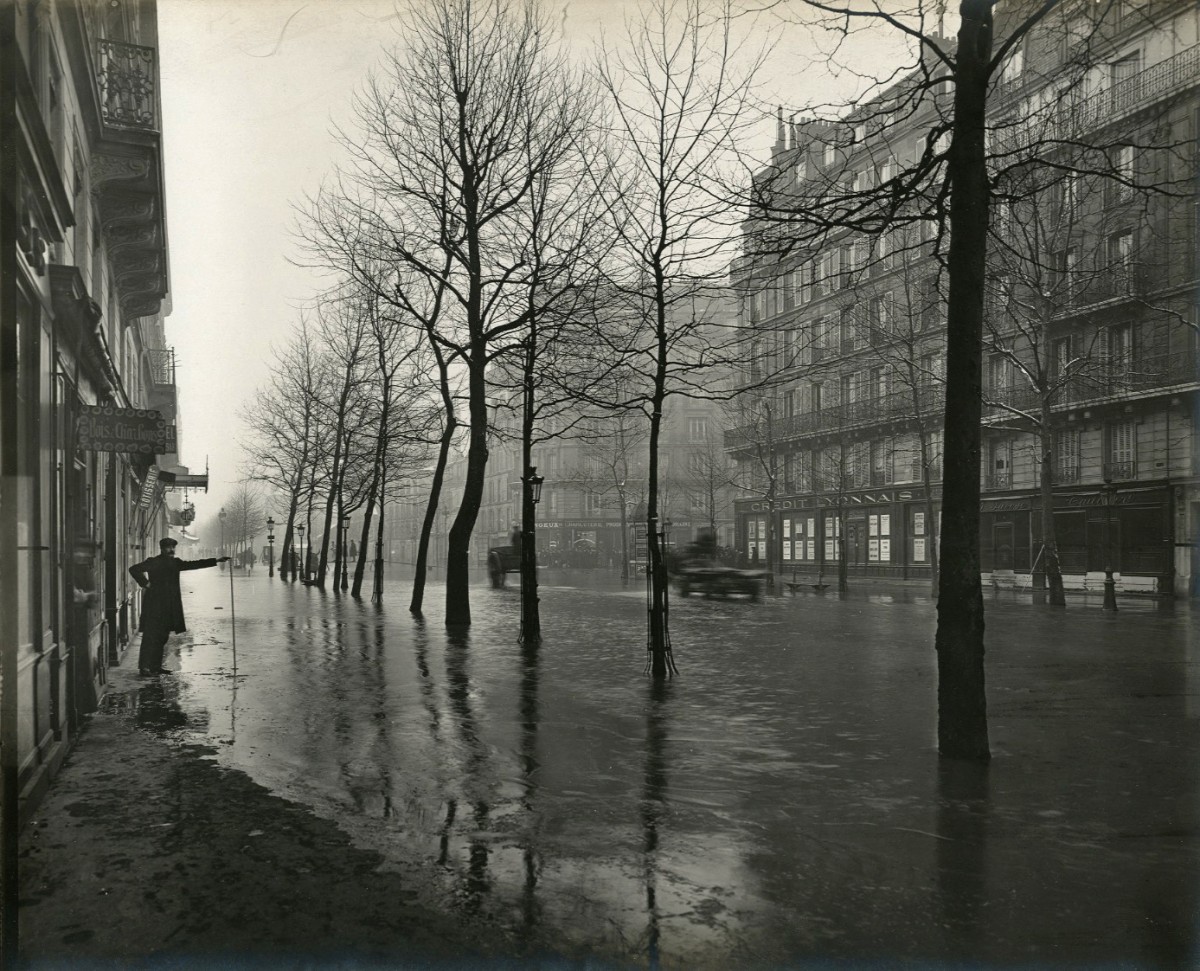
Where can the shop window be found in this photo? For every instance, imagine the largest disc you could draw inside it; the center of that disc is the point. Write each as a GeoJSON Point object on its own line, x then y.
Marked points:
{"type": "Point", "coordinates": [879, 538]}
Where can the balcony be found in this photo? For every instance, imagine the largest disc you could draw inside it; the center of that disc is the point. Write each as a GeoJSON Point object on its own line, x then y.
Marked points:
{"type": "Point", "coordinates": [126, 159]}
{"type": "Point", "coordinates": [997, 480]}
{"type": "Point", "coordinates": [127, 75]}
{"type": "Point", "coordinates": [1120, 471]}
{"type": "Point", "coordinates": [1168, 77]}
{"type": "Point", "coordinates": [882, 410]}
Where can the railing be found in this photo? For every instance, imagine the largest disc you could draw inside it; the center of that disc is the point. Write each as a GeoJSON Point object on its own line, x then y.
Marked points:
{"type": "Point", "coordinates": [128, 80]}
{"type": "Point", "coordinates": [1064, 476]}
{"type": "Point", "coordinates": [997, 480]}
{"type": "Point", "coordinates": [1120, 471]}
{"type": "Point", "coordinates": [879, 410]}
{"type": "Point", "coordinates": [1097, 380]}
{"type": "Point", "coordinates": [162, 365]}
{"type": "Point", "coordinates": [1173, 74]}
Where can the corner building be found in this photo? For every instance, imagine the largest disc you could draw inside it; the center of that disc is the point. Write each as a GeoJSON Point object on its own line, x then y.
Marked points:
{"type": "Point", "coordinates": [1090, 356]}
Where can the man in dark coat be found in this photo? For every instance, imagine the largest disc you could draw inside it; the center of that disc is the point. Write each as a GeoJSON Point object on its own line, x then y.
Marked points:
{"type": "Point", "coordinates": [162, 605]}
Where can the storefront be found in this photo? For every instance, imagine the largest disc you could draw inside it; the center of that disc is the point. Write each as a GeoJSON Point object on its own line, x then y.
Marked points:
{"type": "Point", "coordinates": [1127, 527]}
{"type": "Point", "coordinates": [881, 532]}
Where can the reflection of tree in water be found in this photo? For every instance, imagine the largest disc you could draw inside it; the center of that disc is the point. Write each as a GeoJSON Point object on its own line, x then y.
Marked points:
{"type": "Point", "coordinates": [476, 884]}
{"type": "Point", "coordinates": [529, 767]}
{"type": "Point", "coordinates": [653, 806]}
{"type": "Point", "coordinates": [963, 803]}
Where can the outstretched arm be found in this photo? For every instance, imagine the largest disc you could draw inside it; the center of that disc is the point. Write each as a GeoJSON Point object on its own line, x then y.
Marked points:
{"type": "Point", "coordinates": [201, 564]}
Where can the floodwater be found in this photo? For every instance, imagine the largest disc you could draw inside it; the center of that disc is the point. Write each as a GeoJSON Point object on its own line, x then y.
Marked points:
{"type": "Point", "coordinates": [779, 801]}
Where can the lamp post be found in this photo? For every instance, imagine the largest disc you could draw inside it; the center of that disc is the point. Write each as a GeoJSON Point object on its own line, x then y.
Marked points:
{"type": "Point", "coordinates": [303, 555]}
{"type": "Point", "coordinates": [221, 517]}
{"type": "Point", "coordinates": [531, 624]}
{"type": "Point", "coordinates": [270, 546]}
{"type": "Point", "coordinates": [345, 549]}
{"type": "Point", "coordinates": [1110, 586]}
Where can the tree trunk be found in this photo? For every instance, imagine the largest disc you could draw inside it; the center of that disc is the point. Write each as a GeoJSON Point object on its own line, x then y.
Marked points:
{"type": "Point", "coordinates": [435, 493]}
{"type": "Point", "coordinates": [458, 597]}
{"type": "Point", "coordinates": [377, 588]}
{"type": "Point", "coordinates": [1054, 580]}
{"type": "Point", "coordinates": [962, 702]}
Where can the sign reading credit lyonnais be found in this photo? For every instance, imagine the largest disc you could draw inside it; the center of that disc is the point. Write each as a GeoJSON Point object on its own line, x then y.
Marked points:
{"type": "Point", "coordinates": [103, 428]}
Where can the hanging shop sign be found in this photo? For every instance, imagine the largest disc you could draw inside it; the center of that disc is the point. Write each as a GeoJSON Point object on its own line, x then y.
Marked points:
{"type": "Point", "coordinates": [148, 487]}
{"type": "Point", "coordinates": [104, 428]}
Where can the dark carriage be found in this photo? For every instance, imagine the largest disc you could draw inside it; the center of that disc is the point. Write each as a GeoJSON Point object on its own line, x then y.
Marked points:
{"type": "Point", "coordinates": [502, 560]}
{"type": "Point", "coordinates": [715, 580]}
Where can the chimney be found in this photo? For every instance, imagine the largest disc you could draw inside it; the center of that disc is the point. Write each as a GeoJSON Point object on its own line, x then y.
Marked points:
{"type": "Point", "coordinates": [780, 137]}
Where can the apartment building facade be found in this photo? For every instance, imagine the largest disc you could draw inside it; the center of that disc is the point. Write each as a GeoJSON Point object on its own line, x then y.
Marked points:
{"type": "Point", "coordinates": [89, 401]}
{"type": "Point", "coordinates": [1090, 358]}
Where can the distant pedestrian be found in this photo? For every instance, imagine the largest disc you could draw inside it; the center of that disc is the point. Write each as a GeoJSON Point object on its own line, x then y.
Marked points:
{"type": "Point", "coordinates": [162, 604]}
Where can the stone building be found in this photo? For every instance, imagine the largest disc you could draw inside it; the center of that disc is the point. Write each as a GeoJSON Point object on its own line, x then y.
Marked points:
{"type": "Point", "coordinates": [1090, 371]}
{"type": "Point", "coordinates": [88, 400]}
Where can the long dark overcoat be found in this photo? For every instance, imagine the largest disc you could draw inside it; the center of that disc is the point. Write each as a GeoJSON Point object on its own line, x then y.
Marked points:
{"type": "Point", "coordinates": [162, 603]}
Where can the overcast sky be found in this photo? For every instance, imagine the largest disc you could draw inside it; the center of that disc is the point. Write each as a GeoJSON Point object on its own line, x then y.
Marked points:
{"type": "Point", "coordinates": [250, 92]}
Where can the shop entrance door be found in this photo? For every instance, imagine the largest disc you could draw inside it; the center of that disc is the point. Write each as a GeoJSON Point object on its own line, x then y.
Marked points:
{"type": "Point", "coordinates": [1002, 544]}
{"type": "Point", "coordinates": [856, 542]}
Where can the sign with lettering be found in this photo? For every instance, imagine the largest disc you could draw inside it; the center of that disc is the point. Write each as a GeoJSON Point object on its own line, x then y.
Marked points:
{"type": "Point", "coordinates": [104, 428]}
{"type": "Point", "coordinates": [148, 487]}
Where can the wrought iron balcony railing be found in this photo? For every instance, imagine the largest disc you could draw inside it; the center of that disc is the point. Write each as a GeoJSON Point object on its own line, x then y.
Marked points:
{"type": "Point", "coordinates": [127, 75]}
{"type": "Point", "coordinates": [1120, 471]}
{"type": "Point", "coordinates": [1133, 93]}
{"type": "Point", "coordinates": [997, 480]}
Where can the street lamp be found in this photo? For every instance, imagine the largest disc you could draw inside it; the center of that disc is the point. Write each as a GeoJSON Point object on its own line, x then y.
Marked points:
{"type": "Point", "coordinates": [535, 484]}
{"type": "Point", "coordinates": [221, 517]}
{"type": "Point", "coordinates": [1110, 586]}
{"type": "Point", "coordinates": [271, 546]}
{"type": "Point", "coordinates": [345, 549]}
{"type": "Point", "coordinates": [303, 555]}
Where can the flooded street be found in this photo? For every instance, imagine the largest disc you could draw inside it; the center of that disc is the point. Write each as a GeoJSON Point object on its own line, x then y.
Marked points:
{"type": "Point", "coordinates": [780, 800]}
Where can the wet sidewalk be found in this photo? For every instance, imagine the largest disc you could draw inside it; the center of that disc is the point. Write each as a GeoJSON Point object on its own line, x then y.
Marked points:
{"type": "Point", "coordinates": [353, 788]}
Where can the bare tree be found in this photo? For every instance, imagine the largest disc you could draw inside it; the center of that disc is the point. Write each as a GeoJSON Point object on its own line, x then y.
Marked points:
{"type": "Point", "coordinates": [680, 104]}
{"type": "Point", "coordinates": [952, 180]}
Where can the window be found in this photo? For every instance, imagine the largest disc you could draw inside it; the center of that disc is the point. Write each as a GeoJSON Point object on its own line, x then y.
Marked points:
{"type": "Point", "coordinates": [1061, 357]}
{"type": "Point", "coordinates": [846, 254]}
{"type": "Point", "coordinates": [1122, 70]}
{"type": "Point", "coordinates": [879, 383]}
{"type": "Point", "coordinates": [830, 154]}
{"type": "Point", "coordinates": [1120, 258]}
{"type": "Point", "coordinates": [1121, 452]}
{"type": "Point", "coordinates": [1117, 350]}
{"type": "Point", "coordinates": [818, 395]}
{"type": "Point", "coordinates": [1124, 174]}
{"type": "Point", "coordinates": [999, 373]}
{"type": "Point", "coordinates": [800, 169]}
{"type": "Point", "coordinates": [881, 463]}
{"type": "Point", "coordinates": [999, 474]}
{"type": "Point", "coordinates": [848, 329]}
{"type": "Point", "coordinates": [1014, 65]}
{"type": "Point", "coordinates": [1066, 456]}
{"type": "Point", "coordinates": [697, 429]}
{"type": "Point", "coordinates": [802, 283]}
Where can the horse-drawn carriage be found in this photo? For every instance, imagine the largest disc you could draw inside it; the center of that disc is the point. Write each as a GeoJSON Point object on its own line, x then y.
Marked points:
{"type": "Point", "coordinates": [502, 560]}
